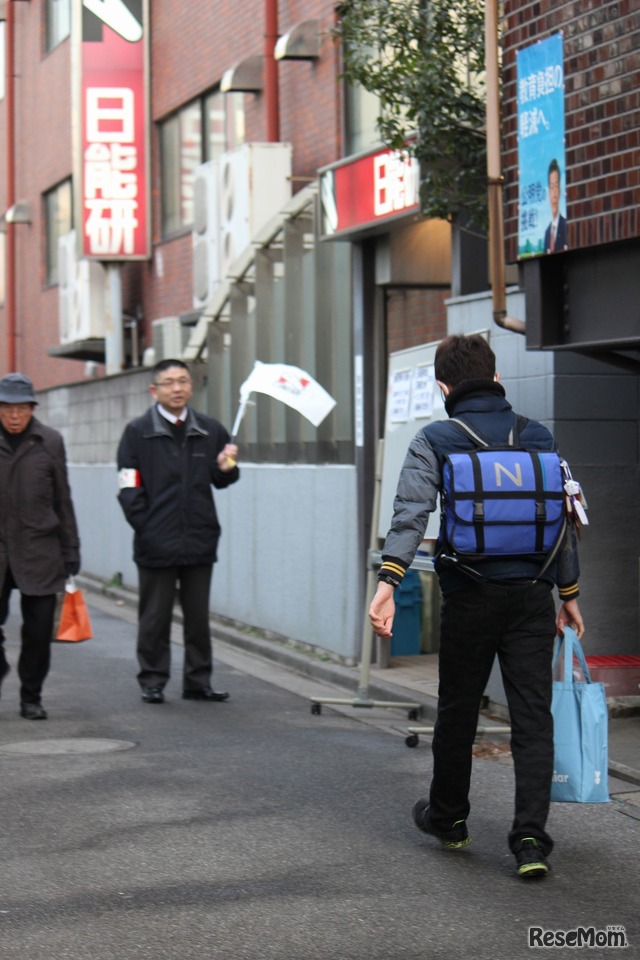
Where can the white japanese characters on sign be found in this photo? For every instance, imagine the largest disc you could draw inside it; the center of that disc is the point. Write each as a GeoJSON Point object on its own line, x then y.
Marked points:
{"type": "Point", "coordinates": [110, 171]}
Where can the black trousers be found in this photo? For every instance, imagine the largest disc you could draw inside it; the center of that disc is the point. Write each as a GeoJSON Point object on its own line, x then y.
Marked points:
{"type": "Point", "coordinates": [155, 608]}
{"type": "Point", "coordinates": [516, 622]}
{"type": "Point", "coordinates": [37, 630]}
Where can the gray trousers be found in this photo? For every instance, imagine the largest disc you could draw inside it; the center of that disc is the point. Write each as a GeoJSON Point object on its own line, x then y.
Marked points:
{"type": "Point", "coordinates": [157, 590]}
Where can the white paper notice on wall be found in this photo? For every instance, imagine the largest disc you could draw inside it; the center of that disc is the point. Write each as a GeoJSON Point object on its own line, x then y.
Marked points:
{"type": "Point", "coordinates": [422, 388]}
{"type": "Point", "coordinates": [399, 395]}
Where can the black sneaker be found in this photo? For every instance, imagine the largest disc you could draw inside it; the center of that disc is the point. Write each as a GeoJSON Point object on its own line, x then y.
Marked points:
{"type": "Point", "coordinates": [531, 859]}
{"type": "Point", "coordinates": [152, 695]}
{"type": "Point", "coordinates": [33, 711]}
{"type": "Point", "coordinates": [453, 839]}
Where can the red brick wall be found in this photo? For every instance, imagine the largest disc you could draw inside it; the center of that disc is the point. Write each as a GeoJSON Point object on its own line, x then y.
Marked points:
{"type": "Point", "coordinates": [415, 317]}
{"type": "Point", "coordinates": [191, 46]}
{"type": "Point", "coordinates": [42, 159]}
{"type": "Point", "coordinates": [602, 113]}
{"type": "Point", "coordinates": [190, 54]}
{"type": "Point", "coordinates": [191, 60]}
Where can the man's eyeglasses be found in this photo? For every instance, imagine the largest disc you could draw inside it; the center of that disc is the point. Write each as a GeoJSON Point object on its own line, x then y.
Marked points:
{"type": "Point", "coordinates": [180, 382]}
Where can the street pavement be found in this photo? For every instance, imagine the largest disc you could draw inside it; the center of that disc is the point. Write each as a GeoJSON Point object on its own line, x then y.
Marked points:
{"type": "Point", "coordinates": [253, 829]}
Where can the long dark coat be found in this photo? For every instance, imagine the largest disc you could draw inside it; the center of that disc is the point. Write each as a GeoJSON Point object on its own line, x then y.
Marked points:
{"type": "Point", "coordinates": [38, 531]}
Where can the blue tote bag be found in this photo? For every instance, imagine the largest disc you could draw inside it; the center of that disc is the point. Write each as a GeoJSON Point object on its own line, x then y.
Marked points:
{"type": "Point", "coordinates": [580, 728]}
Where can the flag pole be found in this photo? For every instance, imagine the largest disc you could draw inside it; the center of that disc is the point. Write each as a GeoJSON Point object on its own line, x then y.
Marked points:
{"type": "Point", "coordinates": [238, 420]}
{"type": "Point", "coordinates": [236, 426]}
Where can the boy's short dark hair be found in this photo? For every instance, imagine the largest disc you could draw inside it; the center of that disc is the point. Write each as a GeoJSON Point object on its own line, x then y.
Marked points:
{"type": "Point", "coordinates": [462, 357]}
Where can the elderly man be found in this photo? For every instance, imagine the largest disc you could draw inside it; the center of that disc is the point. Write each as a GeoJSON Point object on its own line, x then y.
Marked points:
{"type": "Point", "coordinates": [39, 545]}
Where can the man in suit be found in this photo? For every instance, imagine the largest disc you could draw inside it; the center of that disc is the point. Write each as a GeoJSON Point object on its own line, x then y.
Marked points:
{"type": "Point", "coordinates": [555, 237]}
{"type": "Point", "coordinates": [168, 461]}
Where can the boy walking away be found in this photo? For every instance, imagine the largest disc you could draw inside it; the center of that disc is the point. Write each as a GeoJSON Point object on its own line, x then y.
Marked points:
{"type": "Point", "coordinates": [492, 605]}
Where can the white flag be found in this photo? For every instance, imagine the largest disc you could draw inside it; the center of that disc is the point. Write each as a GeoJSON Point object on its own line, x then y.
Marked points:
{"type": "Point", "coordinates": [292, 386]}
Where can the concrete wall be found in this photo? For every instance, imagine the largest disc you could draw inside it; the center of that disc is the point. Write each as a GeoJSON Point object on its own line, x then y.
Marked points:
{"type": "Point", "coordinates": [288, 553]}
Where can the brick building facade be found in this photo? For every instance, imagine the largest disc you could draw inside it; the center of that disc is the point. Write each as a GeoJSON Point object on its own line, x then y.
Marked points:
{"type": "Point", "coordinates": [188, 56]}
{"type": "Point", "coordinates": [602, 113]}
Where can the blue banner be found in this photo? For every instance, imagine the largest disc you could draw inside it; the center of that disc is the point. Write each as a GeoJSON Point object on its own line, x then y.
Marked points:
{"type": "Point", "coordinates": [542, 225]}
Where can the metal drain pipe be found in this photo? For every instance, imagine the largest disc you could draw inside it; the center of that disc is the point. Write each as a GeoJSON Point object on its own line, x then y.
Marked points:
{"type": "Point", "coordinates": [494, 175]}
{"type": "Point", "coordinates": [272, 97]}
{"type": "Point", "coordinates": [10, 292]}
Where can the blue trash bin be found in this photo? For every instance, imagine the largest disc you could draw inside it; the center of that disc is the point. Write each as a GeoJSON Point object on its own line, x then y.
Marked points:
{"type": "Point", "coordinates": [407, 624]}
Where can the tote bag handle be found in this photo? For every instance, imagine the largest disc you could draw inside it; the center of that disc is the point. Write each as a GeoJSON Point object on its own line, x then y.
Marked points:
{"type": "Point", "coordinates": [572, 647]}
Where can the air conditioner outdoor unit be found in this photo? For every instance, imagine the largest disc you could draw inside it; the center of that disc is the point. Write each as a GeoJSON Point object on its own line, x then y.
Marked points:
{"type": "Point", "coordinates": [206, 273]}
{"type": "Point", "coordinates": [81, 294]}
{"type": "Point", "coordinates": [169, 337]}
{"type": "Point", "coordinates": [234, 197]}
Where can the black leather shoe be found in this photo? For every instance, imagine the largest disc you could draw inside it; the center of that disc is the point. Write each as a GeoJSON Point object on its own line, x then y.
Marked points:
{"type": "Point", "coordinates": [152, 695]}
{"type": "Point", "coordinates": [204, 693]}
{"type": "Point", "coordinates": [33, 711]}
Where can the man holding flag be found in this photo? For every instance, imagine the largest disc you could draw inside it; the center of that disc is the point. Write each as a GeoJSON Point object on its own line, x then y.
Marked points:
{"type": "Point", "coordinates": [168, 461]}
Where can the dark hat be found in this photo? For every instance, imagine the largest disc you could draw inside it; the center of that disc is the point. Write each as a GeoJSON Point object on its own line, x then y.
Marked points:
{"type": "Point", "coordinates": [16, 388]}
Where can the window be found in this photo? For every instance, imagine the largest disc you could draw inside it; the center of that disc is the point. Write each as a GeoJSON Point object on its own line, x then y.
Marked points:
{"type": "Point", "coordinates": [58, 221]}
{"type": "Point", "coordinates": [224, 123]}
{"type": "Point", "coordinates": [58, 22]}
{"type": "Point", "coordinates": [362, 110]}
{"type": "Point", "coordinates": [201, 131]}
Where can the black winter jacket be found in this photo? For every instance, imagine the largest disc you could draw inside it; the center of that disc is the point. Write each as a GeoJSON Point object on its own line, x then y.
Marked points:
{"type": "Point", "coordinates": [483, 405]}
{"type": "Point", "coordinates": [172, 510]}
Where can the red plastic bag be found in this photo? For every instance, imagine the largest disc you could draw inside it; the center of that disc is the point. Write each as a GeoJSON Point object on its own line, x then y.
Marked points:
{"type": "Point", "coordinates": [74, 624]}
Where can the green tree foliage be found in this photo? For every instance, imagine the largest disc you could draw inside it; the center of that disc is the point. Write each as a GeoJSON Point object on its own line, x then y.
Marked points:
{"type": "Point", "coordinates": [424, 59]}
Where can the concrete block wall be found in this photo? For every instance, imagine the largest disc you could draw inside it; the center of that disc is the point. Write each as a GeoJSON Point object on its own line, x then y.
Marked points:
{"type": "Point", "coordinates": [91, 416]}
{"type": "Point", "coordinates": [597, 409]}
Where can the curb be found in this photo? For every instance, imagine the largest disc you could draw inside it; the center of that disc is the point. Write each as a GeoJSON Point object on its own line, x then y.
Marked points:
{"type": "Point", "coordinates": [283, 651]}
{"type": "Point", "coordinates": [280, 650]}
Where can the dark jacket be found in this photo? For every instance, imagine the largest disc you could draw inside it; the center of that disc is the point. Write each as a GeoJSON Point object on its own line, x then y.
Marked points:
{"type": "Point", "coordinates": [38, 531]}
{"type": "Point", "coordinates": [483, 405]}
{"type": "Point", "coordinates": [172, 511]}
{"type": "Point", "coordinates": [561, 237]}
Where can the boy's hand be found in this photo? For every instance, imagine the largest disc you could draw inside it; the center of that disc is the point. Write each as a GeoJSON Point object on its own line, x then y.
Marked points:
{"type": "Point", "coordinates": [382, 610]}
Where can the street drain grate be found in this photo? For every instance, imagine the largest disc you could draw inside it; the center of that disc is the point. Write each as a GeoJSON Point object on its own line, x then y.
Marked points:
{"type": "Point", "coordinates": [50, 748]}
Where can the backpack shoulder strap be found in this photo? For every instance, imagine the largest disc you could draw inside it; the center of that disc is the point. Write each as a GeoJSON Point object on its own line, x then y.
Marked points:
{"type": "Point", "coordinates": [519, 424]}
{"type": "Point", "coordinates": [477, 439]}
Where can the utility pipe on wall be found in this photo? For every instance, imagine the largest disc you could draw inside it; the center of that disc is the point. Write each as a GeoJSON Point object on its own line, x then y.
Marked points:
{"type": "Point", "coordinates": [272, 97]}
{"type": "Point", "coordinates": [494, 174]}
{"type": "Point", "coordinates": [10, 292]}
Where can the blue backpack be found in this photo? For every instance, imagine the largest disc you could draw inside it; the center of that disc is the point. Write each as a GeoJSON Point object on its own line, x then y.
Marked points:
{"type": "Point", "coordinates": [502, 501]}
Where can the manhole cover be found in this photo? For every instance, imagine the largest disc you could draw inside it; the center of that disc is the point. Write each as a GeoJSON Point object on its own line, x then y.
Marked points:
{"type": "Point", "coordinates": [48, 748]}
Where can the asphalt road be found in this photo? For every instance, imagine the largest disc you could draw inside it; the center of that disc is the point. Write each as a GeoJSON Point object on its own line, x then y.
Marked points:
{"type": "Point", "coordinates": [252, 829]}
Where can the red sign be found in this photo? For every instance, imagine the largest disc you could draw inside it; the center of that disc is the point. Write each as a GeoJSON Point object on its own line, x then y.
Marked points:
{"type": "Point", "coordinates": [370, 190]}
{"type": "Point", "coordinates": [114, 132]}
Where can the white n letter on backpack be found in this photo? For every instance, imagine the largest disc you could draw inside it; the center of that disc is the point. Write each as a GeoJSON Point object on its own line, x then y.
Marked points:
{"type": "Point", "coordinates": [516, 478]}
